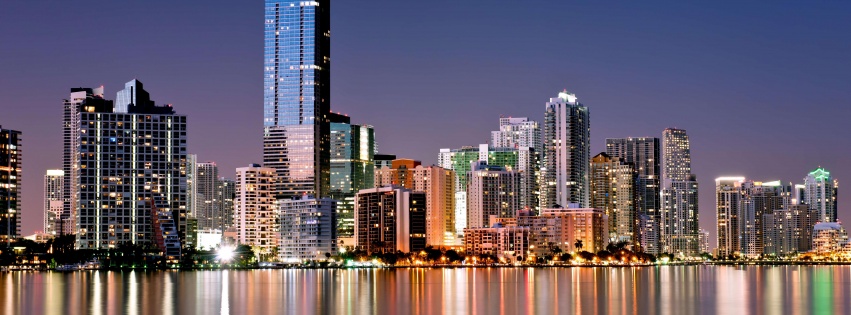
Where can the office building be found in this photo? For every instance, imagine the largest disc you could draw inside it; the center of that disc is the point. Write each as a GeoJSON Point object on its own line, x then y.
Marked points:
{"type": "Point", "coordinates": [10, 184]}
{"type": "Point", "coordinates": [308, 229]}
{"type": "Point", "coordinates": [566, 153]}
{"type": "Point", "coordinates": [390, 219]}
{"type": "Point", "coordinates": [296, 81]}
{"type": "Point", "coordinates": [255, 211]}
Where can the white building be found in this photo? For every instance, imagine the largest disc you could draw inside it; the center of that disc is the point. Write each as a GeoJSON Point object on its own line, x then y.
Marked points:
{"type": "Point", "coordinates": [566, 153]}
{"type": "Point", "coordinates": [491, 190]}
{"type": "Point", "coordinates": [53, 185]}
{"type": "Point", "coordinates": [820, 194]}
{"type": "Point", "coordinates": [308, 229]}
{"type": "Point", "coordinates": [255, 212]}
{"type": "Point", "coordinates": [829, 237]}
{"type": "Point", "coordinates": [516, 132]}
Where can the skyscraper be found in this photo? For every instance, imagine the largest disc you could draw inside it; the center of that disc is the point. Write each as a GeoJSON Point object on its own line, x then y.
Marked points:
{"type": "Point", "coordinates": [566, 153]}
{"type": "Point", "coordinates": [10, 184]}
{"type": "Point", "coordinates": [92, 99]}
{"type": "Point", "coordinates": [491, 191]}
{"type": "Point", "coordinates": [612, 190]}
{"type": "Point", "coordinates": [678, 219]}
{"type": "Point", "coordinates": [728, 202]}
{"type": "Point", "coordinates": [677, 154]}
{"type": "Point", "coordinates": [226, 192]}
{"type": "Point", "coordinates": [296, 97]}
{"type": "Point", "coordinates": [255, 210]}
{"type": "Point", "coordinates": [820, 191]}
{"type": "Point", "coordinates": [53, 185]}
{"type": "Point", "coordinates": [644, 154]}
{"type": "Point", "coordinates": [207, 210]}
{"type": "Point", "coordinates": [759, 199]}
{"type": "Point", "coordinates": [352, 168]}
{"type": "Point", "coordinates": [130, 183]}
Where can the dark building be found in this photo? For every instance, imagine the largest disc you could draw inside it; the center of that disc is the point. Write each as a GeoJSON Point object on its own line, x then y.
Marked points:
{"type": "Point", "coordinates": [10, 185]}
{"type": "Point", "coordinates": [390, 219]}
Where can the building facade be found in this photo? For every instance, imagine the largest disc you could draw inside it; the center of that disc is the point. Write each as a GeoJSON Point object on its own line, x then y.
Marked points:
{"type": "Point", "coordinates": [439, 186]}
{"type": "Point", "coordinates": [11, 173]}
{"type": "Point", "coordinates": [352, 168]}
{"type": "Point", "coordinates": [390, 219]}
{"type": "Point", "coordinates": [566, 153]}
{"type": "Point", "coordinates": [613, 190]}
{"type": "Point", "coordinates": [255, 210]}
{"type": "Point", "coordinates": [679, 213]}
{"type": "Point", "coordinates": [508, 243]}
{"type": "Point", "coordinates": [491, 191]}
{"type": "Point", "coordinates": [819, 193]}
{"type": "Point", "coordinates": [296, 81]}
{"type": "Point", "coordinates": [728, 202]}
{"type": "Point", "coordinates": [644, 155]}
{"type": "Point", "coordinates": [129, 168]}
{"type": "Point", "coordinates": [308, 229]}
{"type": "Point", "coordinates": [788, 231]}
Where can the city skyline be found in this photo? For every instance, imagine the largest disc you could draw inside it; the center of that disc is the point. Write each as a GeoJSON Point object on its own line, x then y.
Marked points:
{"type": "Point", "coordinates": [474, 127]}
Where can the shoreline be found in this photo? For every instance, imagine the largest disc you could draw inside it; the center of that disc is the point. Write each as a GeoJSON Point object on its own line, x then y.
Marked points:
{"type": "Point", "coordinates": [707, 264]}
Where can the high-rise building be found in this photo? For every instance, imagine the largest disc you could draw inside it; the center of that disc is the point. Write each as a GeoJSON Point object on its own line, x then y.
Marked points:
{"type": "Point", "coordinates": [678, 215]}
{"type": "Point", "coordinates": [53, 185]}
{"type": "Point", "coordinates": [308, 229]}
{"type": "Point", "coordinates": [352, 168]}
{"type": "Point", "coordinates": [829, 238]}
{"type": "Point", "coordinates": [491, 191]}
{"type": "Point", "coordinates": [728, 203]}
{"type": "Point", "coordinates": [679, 226]}
{"type": "Point", "coordinates": [439, 186]}
{"type": "Point", "coordinates": [296, 81]}
{"type": "Point", "coordinates": [522, 159]}
{"type": "Point", "coordinates": [759, 199]}
{"type": "Point", "coordinates": [517, 132]}
{"type": "Point", "coordinates": [819, 193]}
{"type": "Point", "coordinates": [91, 99]}
{"type": "Point", "coordinates": [255, 211]}
{"type": "Point", "coordinates": [788, 231]}
{"type": "Point", "coordinates": [191, 202]}
{"type": "Point", "coordinates": [676, 154]}
{"type": "Point", "coordinates": [390, 219]}
{"type": "Point", "coordinates": [206, 206]}
{"type": "Point", "coordinates": [643, 153]}
{"type": "Point", "coordinates": [226, 193]}
{"type": "Point", "coordinates": [566, 153]}
{"type": "Point", "coordinates": [509, 243]}
{"type": "Point", "coordinates": [613, 191]}
{"type": "Point", "coordinates": [10, 184]}
{"type": "Point", "coordinates": [128, 170]}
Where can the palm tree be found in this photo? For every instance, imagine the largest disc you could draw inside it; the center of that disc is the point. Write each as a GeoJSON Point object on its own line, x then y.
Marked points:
{"type": "Point", "coordinates": [578, 245]}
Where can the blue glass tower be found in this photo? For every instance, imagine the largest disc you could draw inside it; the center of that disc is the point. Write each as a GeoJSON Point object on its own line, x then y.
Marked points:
{"type": "Point", "coordinates": [296, 97]}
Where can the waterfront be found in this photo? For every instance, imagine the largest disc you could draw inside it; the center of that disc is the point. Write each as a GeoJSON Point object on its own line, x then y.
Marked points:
{"type": "Point", "coordinates": [577, 290]}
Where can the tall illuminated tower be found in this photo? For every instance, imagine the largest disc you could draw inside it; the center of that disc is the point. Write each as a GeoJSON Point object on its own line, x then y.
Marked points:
{"type": "Point", "coordinates": [820, 194]}
{"type": "Point", "coordinates": [567, 153]}
{"type": "Point", "coordinates": [10, 184]}
{"type": "Point", "coordinates": [678, 219]}
{"type": "Point", "coordinates": [296, 96]}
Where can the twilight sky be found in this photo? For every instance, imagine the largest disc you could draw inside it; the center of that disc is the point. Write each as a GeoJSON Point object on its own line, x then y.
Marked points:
{"type": "Point", "coordinates": [763, 90]}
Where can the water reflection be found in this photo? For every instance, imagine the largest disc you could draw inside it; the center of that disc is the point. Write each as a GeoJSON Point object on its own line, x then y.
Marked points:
{"type": "Point", "coordinates": [656, 290]}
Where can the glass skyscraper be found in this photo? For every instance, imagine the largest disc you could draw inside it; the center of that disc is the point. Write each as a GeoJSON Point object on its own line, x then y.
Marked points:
{"type": "Point", "coordinates": [296, 97]}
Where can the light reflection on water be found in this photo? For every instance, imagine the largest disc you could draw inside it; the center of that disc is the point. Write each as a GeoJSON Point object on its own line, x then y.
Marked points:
{"type": "Point", "coordinates": [649, 290]}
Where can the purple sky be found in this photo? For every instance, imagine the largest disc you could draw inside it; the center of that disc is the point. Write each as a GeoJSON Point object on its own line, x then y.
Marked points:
{"type": "Point", "coordinates": [762, 90]}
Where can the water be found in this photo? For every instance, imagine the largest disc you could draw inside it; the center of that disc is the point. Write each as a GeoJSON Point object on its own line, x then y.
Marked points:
{"type": "Point", "coordinates": [646, 290]}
